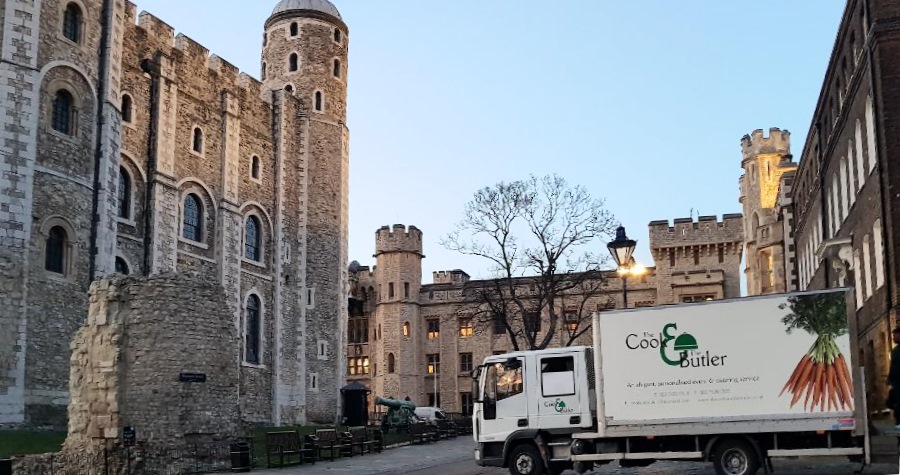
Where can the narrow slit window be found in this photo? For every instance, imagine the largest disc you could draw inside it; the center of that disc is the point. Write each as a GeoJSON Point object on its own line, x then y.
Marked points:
{"type": "Point", "coordinates": [337, 68]}
{"type": "Point", "coordinates": [295, 29]}
{"type": "Point", "coordinates": [252, 355]}
{"type": "Point", "coordinates": [198, 140]}
{"type": "Point", "coordinates": [254, 167]}
{"type": "Point", "coordinates": [292, 62]}
{"type": "Point", "coordinates": [318, 101]}
{"type": "Point", "coordinates": [57, 242]}
{"type": "Point", "coordinates": [124, 201]}
{"type": "Point", "coordinates": [337, 35]}
{"type": "Point", "coordinates": [127, 107]}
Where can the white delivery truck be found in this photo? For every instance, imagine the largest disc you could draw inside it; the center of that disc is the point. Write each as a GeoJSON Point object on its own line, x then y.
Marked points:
{"type": "Point", "coordinates": [734, 382]}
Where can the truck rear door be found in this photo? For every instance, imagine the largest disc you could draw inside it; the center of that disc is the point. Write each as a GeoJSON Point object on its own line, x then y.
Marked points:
{"type": "Point", "coordinates": [563, 403]}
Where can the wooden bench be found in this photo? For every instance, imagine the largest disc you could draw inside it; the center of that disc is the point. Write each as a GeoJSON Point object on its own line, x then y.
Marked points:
{"type": "Point", "coordinates": [284, 445]}
{"type": "Point", "coordinates": [335, 443]}
{"type": "Point", "coordinates": [446, 429]}
{"type": "Point", "coordinates": [360, 437]}
{"type": "Point", "coordinates": [420, 433]}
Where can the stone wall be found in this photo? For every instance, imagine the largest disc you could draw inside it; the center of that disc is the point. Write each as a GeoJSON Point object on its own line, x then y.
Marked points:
{"type": "Point", "coordinates": [140, 337]}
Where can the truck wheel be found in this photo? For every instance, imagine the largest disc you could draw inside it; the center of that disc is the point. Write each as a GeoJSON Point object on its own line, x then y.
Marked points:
{"type": "Point", "coordinates": [735, 457]}
{"type": "Point", "coordinates": [526, 460]}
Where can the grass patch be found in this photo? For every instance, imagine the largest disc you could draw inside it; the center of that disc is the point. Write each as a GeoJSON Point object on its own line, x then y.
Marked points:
{"type": "Point", "coordinates": [20, 442]}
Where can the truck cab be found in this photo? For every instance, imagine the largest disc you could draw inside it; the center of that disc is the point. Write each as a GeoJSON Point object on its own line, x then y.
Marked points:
{"type": "Point", "coordinates": [527, 406]}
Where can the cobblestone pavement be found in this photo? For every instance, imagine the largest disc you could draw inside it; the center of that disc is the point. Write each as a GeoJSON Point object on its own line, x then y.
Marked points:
{"type": "Point", "coordinates": [454, 457]}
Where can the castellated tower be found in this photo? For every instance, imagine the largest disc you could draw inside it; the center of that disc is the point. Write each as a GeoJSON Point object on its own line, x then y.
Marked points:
{"type": "Point", "coordinates": [398, 326]}
{"type": "Point", "coordinates": [305, 54]}
{"type": "Point", "coordinates": [697, 260]}
{"type": "Point", "coordinates": [765, 160]}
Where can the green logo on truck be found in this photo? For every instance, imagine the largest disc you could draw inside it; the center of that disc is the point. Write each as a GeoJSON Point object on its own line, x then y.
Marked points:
{"type": "Point", "coordinates": [686, 348]}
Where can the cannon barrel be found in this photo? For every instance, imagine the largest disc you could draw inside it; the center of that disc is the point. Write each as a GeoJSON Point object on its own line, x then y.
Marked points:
{"type": "Point", "coordinates": [394, 403]}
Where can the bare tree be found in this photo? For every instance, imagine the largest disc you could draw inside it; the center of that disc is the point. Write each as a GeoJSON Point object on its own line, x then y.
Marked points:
{"type": "Point", "coordinates": [535, 233]}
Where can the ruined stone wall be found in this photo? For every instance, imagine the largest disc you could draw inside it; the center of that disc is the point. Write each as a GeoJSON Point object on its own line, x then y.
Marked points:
{"type": "Point", "coordinates": [141, 336]}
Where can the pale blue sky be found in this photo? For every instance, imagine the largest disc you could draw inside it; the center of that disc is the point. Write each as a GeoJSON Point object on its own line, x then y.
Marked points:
{"type": "Point", "coordinates": [642, 101]}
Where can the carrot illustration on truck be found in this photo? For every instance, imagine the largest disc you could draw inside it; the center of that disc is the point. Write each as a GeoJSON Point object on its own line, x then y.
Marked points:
{"type": "Point", "coordinates": [821, 378]}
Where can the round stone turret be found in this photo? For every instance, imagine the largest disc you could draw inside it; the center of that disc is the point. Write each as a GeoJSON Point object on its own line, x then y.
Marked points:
{"type": "Point", "coordinates": [305, 53]}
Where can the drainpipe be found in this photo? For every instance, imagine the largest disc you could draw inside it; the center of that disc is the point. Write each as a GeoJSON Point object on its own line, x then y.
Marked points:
{"type": "Point", "coordinates": [105, 47]}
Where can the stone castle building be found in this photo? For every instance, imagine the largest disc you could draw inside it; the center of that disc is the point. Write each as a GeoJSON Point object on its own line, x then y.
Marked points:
{"type": "Point", "coordinates": [844, 221]}
{"type": "Point", "coordinates": [768, 170]}
{"type": "Point", "coordinates": [127, 149]}
{"type": "Point", "coordinates": [406, 338]}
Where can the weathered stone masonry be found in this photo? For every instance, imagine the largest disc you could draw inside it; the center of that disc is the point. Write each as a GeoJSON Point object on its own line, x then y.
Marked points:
{"type": "Point", "coordinates": [275, 152]}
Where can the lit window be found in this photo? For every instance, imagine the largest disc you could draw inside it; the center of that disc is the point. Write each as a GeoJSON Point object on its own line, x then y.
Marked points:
{"type": "Point", "coordinates": [358, 366]}
{"type": "Point", "coordinates": [434, 363]}
{"type": "Point", "coordinates": [434, 329]}
{"type": "Point", "coordinates": [466, 328]}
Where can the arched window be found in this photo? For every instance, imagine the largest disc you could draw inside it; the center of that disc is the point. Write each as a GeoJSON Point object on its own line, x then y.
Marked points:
{"type": "Point", "coordinates": [292, 62]}
{"type": "Point", "coordinates": [121, 266]}
{"type": "Point", "coordinates": [390, 363]}
{"type": "Point", "coordinates": [337, 68]}
{"type": "Point", "coordinates": [72, 22]}
{"type": "Point", "coordinates": [253, 330]}
{"type": "Point", "coordinates": [251, 239]}
{"type": "Point", "coordinates": [254, 167]}
{"type": "Point", "coordinates": [198, 140]}
{"type": "Point", "coordinates": [318, 101]}
{"type": "Point", "coordinates": [63, 111]}
{"type": "Point", "coordinates": [295, 29]}
{"type": "Point", "coordinates": [124, 194]}
{"type": "Point", "coordinates": [337, 35]}
{"type": "Point", "coordinates": [193, 218]}
{"type": "Point", "coordinates": [127, 106]}
{"type": "Point", "coordinates": [57, 243]}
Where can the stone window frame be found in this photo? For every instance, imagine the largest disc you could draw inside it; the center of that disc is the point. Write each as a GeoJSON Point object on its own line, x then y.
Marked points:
{"type": "Point", "coordinates": [337, 66]}
{"type": "Point", "coordinates": [320, 95]}
{"type": "Point", "coordinates": [53, 88]}
{"type": "Point", "coordinates": [192, 186]}
{"type": "Point", "coordinates": [82, 27]}
{"type": "Point", "coordinates": [127, 265]}
{"type": "Point", "coordinates": [337, 36]}
{"type": "Point", "coordinates": [255, 209]}
{"type": "Point", "coordinates": [262, 329]}
{"type": "Point", "coordinates": [129, 198]}
{"type": "Point", "coordinates": [137, 177]}
{"type": "Point", "coordinates": [70, 250]}
{"type": "Point", "coordinates": [193, 147]}
{"type": "Point", "coordinates": [289, 88]}
{"type": "Point", "coordinates": [131, 123]}
{"type": "Point", "coordinates": [289, 64]}
{"type": "Point", "coordinates": [254, 158]}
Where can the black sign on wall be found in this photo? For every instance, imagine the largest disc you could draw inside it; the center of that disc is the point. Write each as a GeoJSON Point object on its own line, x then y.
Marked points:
{"type": "Point", "coordinates": [192, 377]}
{"type": "Point", "coordinates": [129, 436]}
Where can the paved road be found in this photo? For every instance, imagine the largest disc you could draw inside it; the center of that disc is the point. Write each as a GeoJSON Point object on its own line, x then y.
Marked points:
{"type": "Point", "coordinates": [454, 457]}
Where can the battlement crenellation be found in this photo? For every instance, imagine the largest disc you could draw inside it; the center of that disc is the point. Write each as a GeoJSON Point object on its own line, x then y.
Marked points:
{"type": "Point", "coordinates": [707, 229]}
{"type": "Point", "coordinates": [756, 143]}
{"type": "Point", "coordinates": [398, 238]}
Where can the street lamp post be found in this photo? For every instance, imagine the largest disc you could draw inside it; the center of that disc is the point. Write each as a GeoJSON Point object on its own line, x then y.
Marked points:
{"type": "Point", "coordinates": [621, 249]}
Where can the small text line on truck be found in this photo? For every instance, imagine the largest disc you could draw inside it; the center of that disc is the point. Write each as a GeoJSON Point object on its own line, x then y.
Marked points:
{"type": "Point", "coordinates": [733, 382]}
